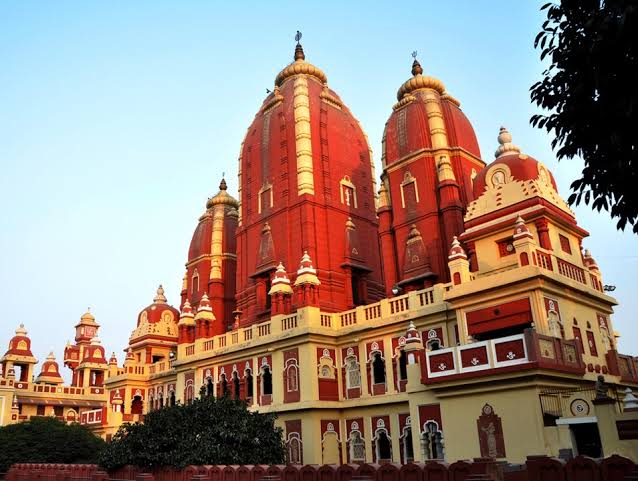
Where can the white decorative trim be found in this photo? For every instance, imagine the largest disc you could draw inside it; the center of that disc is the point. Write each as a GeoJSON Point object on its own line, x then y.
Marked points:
{"type": "Point", "coordinates": [439, 372]}
{"type": "Point", "coordinates": [346, 182]}
{"type": "Point", "coordinates": [476, 367]}
{"type": "Point", "coordinates": [408, 178]}
{"type": "Point", "coordinates": [512, 361]}
{"type": "Point", "coordinates": [583, 420]}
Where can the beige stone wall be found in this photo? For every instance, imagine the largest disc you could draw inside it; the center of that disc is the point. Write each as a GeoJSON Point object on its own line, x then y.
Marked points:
{"type": "Point", "coordinates": [520, 415]}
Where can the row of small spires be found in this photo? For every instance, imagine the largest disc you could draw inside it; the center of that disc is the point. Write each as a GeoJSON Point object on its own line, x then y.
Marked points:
{"type": "Point", "coordinates": [306, 274]}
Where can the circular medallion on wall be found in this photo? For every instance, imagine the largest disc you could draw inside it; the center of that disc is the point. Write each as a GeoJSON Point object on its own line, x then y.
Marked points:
{"type": "Point", "coordinates": [579, 407]}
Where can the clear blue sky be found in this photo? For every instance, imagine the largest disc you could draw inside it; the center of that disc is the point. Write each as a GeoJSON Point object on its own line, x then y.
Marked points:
{"type": "Point", "coordinates": [117, 119]}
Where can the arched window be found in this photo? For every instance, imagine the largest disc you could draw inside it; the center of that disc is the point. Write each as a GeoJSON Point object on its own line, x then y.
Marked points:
{"type": "Point", "coordinates": [353, 373]}
{"type": "Point", "coordinates": [432, 441]}
{"type": "Point", "coordinates": [330, 447]}
{"type": "Point", "coordinates": [266, 381]}
{"type": "Point", "coordinates": [326, 366]}
{"type": "Point", "coordinates": [161, 400]}
{"type": "Point", "coordinates": [378, 369]}
{"type": "Point", "coordinates": [248, 376]}
{"type": "Point", "coordinates": [137, 405]}
{"type": "Point", "coordinates": [383, 446]}
{"type": "Point", "coordinates": [407, 447]}
{"type": "Point", "coordinates": [151, 400]}
{"type": "Point", "coordinates": [195, 283]}
{"type": "Point", "coordinates": [190, 391]}
{"type": "Point", "coordinates": [224, 384]}
{"type": "Point", "coordinates": [294, 448]}
{"type": "Point", "coordinates": [209, 386]}
{"type": "Point", "coordinates": [236, 392]}
{"type": "Point", "coordinates": [433, 345]}
{"type": "Point", "coordinates": [172, 398]}
{"type": "Point", "coordinates": [357, 447]}
{"type": "Point", "coordinates": [292, 376]}
{"type": "Point", "coordinates": [71, 415]}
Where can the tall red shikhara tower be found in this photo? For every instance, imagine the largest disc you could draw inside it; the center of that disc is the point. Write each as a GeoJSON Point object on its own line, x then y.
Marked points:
{"type": "Point", "coordinates": [307, 189]}
{"type": "Point", "coordinates": [430, 158]}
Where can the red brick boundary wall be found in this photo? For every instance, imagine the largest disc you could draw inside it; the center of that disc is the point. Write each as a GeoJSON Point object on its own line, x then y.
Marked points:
{"type": "Point", "coordinates": [536, 468]}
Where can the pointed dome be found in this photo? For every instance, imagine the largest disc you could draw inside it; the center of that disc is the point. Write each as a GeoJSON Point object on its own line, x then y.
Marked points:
{"type": "Point", "coordinates": [158, 320]}
{"type": "Point", "coordinates": [306, 274]}
{"type": "Point", "coordinates": [521, 230]}
{"type": "Point", "coordinates": [50, 373]}
{"type": "Point", "coordinates": [94, 353]}
{"type": "Point", "coordinates": [512, 178]}
{"type": "Point", "coordinates": [514, 166]}
{"type": "Point", "coordinates": [87, 317]}
{"type": "Point", "coordinates": [204, 310]}
{"type": "Point", "coordinates": [113, 359]}
{"type": "Point", "coordinates": [202, 237]}
{"type": "Point", "coordinates": [222, 197]}
{"type": "Point", "coordinates": [187, 318]}
{"type": "Point", "coordinates": [412, 334]}
{"type": "Point", "coordinates": [130, 357]}
{"type": "Point", "coordinates": [589, 261]}
{"type": "Point", "coordinates": [20, 346]}
{"type": "Point", "coordinates": [280, 283]}
{"type": "Point", "coordinates": [299, 66]}
{"type": "Point", "coordinates": [419, 81]}
{"type": "Point", "coordinates": [411, 128]}
{"type": "Point", "coordinates": [157, 311]}
{"type": "Point", "coordinates": [456, 251]}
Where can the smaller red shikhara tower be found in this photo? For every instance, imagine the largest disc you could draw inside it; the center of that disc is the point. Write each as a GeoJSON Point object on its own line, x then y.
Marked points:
{"type": "Point", "coordinates": [430, 158]}
{"type": "Point", "coordinates": [211, 266]}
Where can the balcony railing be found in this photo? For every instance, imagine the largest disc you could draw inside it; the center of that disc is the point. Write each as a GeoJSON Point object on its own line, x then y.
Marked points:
{"type": "Point", "coordinates": [547, 260]}
{"type": "Point", "coordinates": [361, 316]}
{"type": "Point", "coordinates": [529, 349]}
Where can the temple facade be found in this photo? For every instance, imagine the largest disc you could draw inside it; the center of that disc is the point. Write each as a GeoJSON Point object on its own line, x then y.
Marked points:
{"type": "Point", "coordinates": [448, 311]}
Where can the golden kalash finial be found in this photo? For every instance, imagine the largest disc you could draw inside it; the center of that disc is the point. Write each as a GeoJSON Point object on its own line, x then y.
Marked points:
{"type": "Point", "coordinates": [299, 54]}
{"type": "Point", "coordinates": [416, 66]}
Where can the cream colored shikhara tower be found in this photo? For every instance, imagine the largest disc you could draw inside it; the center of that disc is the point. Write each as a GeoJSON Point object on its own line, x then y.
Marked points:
{"type": "Point", "coordinates": [501, 361]}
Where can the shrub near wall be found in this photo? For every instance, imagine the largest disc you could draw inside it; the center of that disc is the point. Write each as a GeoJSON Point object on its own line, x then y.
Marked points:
{"type": "Point", "coordinates": [208, 431]}
{"type": "Point", "coordinates": [47, 440]}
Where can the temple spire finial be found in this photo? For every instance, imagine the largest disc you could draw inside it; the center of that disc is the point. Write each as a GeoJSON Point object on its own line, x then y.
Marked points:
{"type": "Point", "coordinates": [416, 66]}
{"type": "Point", "coordinates": [222, 184]}
{"type": "Point", "coordinates": [299, 53]}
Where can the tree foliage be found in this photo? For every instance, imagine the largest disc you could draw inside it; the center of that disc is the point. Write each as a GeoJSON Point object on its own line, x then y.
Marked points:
{"type": "Point", "coordinates": [208, 431]}
{"type": "Point", "coordinates": [47, 440]}
{"type": "Point", "coordinates": [591, 93]}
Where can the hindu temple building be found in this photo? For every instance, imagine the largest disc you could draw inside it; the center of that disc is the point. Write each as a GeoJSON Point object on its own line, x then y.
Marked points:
{"type": "Point", "coordinates": [408, 317]}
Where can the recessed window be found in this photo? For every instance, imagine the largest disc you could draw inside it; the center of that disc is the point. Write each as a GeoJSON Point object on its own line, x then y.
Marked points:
{"type": "Point", "coordinates": [564, 244]}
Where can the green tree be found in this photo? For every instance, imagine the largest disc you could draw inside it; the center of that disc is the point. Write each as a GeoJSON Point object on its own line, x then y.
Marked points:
{"type": "Point", "coordinates": [591, 92]}
{"type": "Point", "coordinates": [208, 431]}
{"type": "Point", "coordinates": [47, 440]}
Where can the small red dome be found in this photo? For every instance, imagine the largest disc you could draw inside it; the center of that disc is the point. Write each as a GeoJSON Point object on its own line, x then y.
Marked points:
{"type": "Point", "coordinates": [20, 344]}
{"type": "Point", "coordinates": [50, 371]}
{"type": "Point", "coordinates": [515, 166]}
{"type": "Point", "coordinates": [155, 312]}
